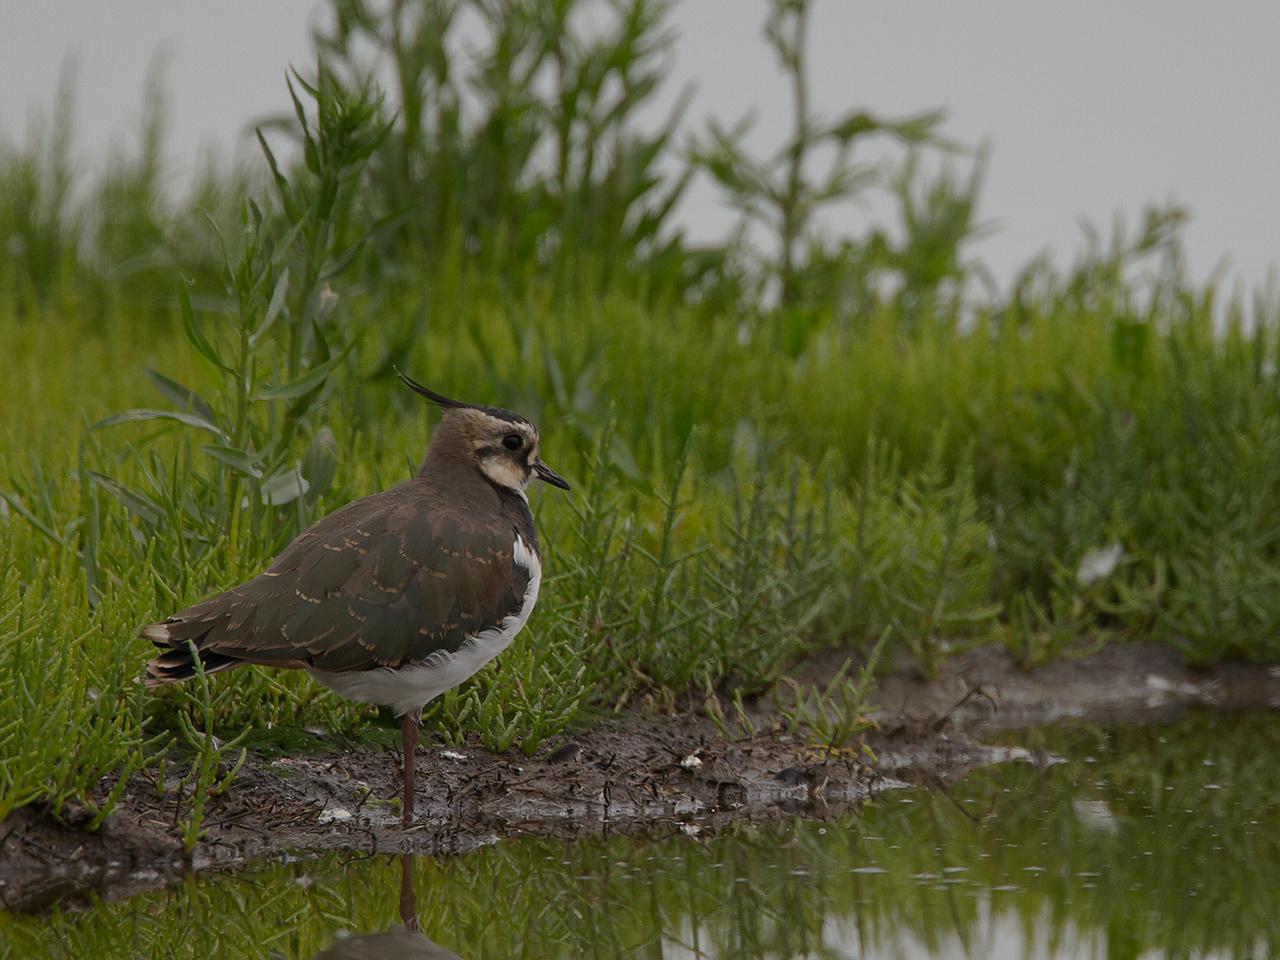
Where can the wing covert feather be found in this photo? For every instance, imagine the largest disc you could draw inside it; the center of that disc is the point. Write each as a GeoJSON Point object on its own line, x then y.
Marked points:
{"type": "Point", "coordinates": [374, 584]}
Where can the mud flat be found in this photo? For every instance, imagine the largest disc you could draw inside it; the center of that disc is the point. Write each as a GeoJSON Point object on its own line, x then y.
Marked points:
{"type": "Point", "coordinates": [1122, 683]}
{"type": "Point", "coordinates": [636, 773]}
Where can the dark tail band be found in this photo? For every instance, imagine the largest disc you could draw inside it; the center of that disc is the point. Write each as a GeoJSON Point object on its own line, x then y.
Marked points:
{"type": "Point", "coordinates": [175, 664]}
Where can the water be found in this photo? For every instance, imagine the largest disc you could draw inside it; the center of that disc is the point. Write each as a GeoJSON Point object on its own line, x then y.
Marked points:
{"type": "Point", "coordinates": [1142, 842]}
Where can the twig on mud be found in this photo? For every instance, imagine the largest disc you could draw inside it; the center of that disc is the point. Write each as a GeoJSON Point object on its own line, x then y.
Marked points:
{"type": "Point", "coordinates": [981, 690]}
{"type": "Point", "coordinates": [361, 857]}
{"type": "Point", "coordinates": [47, 856]}
{"type": "Point", "coordinates": [235, 821]}
{"type": "Point", "coordinates": [819, 792]}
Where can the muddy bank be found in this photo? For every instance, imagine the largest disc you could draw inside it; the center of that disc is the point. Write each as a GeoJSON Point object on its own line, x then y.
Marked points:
{"type": "Point", "coordinates": [984, 689]}
{"type": "Point", "coordinates": [635, 773]}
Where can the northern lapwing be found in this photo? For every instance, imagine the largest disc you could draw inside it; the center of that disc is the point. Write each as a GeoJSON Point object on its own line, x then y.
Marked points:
{"type": "Point", "coordinates": [396, 597]}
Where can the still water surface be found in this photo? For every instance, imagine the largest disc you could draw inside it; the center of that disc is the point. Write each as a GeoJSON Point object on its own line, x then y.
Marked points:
{"type": "Point", "coordinates": [1135, 842]}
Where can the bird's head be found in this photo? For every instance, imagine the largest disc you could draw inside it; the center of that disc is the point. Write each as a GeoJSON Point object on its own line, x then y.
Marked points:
{"type": "Point", "coordinates": [501, 443]}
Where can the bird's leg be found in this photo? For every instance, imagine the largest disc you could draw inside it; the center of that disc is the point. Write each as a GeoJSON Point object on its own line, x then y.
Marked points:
{"type": "Point", "coordinates": [409, 735]}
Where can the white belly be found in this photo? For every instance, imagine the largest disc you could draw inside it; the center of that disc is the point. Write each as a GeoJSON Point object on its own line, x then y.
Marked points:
{"type": "Point", "coordinates": [410, 688]}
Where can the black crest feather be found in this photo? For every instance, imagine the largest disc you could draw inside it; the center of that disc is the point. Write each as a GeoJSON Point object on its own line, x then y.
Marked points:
{"type": "Point", "coordinates": [436, 398]}
{"type": "Point", "coordinates": [442, 401]}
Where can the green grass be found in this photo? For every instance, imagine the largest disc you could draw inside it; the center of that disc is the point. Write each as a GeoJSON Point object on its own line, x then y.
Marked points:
{"type": "Point", "coordinates": [725, 520]}
{"type": "Point", "coordinates": [877, 450]}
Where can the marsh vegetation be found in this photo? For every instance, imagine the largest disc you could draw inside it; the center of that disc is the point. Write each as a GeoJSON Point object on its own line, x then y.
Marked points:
{"type": "Point", "coordinates": [788, 441]}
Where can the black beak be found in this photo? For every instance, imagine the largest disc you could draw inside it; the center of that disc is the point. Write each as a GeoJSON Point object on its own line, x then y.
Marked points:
{"type": "Point", "coordinates": [543, 472]}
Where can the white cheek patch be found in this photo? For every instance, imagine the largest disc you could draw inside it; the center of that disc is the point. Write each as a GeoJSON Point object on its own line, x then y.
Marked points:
{"type": "Point", "coordinates": [505, 473]}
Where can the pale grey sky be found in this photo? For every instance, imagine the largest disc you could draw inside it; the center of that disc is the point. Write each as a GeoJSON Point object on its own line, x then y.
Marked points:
{"type": "Point", "coordinates": [1091, 108]}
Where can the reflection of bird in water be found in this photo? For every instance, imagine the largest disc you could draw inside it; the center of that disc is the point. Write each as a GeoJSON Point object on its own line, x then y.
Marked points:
{"type": "Point", "coordinates": [406, 944]}
{"type": "Point", "coordinates": [392, 945]}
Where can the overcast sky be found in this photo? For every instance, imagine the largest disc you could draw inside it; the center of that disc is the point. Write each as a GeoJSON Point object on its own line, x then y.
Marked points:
{"type": "Point", "coordinates": [1090, 108]}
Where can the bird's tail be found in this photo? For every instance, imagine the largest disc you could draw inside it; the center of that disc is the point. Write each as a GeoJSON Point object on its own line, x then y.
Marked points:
{"type": "Point", "coordinates": [176, 662]}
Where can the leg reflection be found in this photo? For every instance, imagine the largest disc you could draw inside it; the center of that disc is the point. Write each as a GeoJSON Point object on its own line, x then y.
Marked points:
{"type": "Point", "coordinates": [408, 901]}
{"type": "Point", "coordinates": [406, 944]}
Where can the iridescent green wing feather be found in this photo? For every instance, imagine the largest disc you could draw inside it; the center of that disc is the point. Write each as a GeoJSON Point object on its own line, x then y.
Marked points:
{"type": "Point", "coordinates": [382, 582]}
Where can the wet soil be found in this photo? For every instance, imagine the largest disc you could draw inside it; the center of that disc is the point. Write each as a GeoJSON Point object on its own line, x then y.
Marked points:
{"type": "Point", "coordinates": [634, 773]}
{"type": "Point", "coordinates": [984, 689]}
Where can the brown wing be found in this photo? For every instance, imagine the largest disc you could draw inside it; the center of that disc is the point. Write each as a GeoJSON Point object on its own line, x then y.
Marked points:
{"type": "Point", "coordinates": [383, 581]}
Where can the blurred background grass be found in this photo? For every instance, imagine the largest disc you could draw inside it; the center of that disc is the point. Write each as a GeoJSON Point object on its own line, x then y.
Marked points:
{"type": "Point", "coordinates": [788, 441]}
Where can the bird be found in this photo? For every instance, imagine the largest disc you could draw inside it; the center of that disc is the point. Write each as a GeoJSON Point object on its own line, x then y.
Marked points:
{"type": "Point", "coordinates": [398, 596]}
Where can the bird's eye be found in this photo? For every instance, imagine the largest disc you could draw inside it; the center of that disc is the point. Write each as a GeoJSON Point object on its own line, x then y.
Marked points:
{"type": "Point", "coordinates": [513, 441]}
